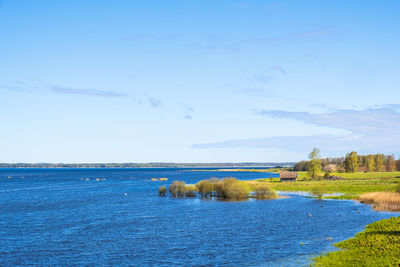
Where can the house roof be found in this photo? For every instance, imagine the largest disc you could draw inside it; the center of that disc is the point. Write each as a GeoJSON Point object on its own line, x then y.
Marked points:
{"type": "Point", "coordinates": [287, 174]}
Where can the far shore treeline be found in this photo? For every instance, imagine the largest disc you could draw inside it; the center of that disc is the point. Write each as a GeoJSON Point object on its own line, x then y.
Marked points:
{"type": "Point", "coordinates": [146, 165]}
{"type": "Point", "coordinates": [352, 162]}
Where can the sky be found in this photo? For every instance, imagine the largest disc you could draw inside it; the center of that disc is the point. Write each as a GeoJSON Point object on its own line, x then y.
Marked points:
{"type": "Point", "coordinates": [197, 81]}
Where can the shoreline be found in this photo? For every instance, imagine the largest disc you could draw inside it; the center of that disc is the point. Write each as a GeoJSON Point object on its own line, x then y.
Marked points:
{"type": "Point", "coordinates": [379, 243]}
{"type": "Point", "coordinates": [376, 245]}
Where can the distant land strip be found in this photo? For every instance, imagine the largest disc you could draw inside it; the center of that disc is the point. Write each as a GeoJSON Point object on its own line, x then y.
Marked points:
{"type": "Point", "coordinates": [147, 165]}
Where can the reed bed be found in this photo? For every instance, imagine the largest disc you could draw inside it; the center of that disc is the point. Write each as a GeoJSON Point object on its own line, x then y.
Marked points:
{"type": "Point", "coordinates": [388, 201]}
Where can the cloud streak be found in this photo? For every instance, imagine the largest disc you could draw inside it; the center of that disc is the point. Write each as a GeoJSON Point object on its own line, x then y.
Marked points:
{"type": "Point", "coordinates": [370, 130]}
{"type": "Point", "coordinates": [369, 121]}
{"type": "Point", "coordinates": [88, 92]}
{"type": "Point", "coordinates": [188, 112]}
{"type": "Point", "coordinates": [154, 102]}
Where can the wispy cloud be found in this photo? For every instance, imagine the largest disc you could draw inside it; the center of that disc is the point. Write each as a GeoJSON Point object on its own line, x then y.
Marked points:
{"type": "Point", "coordinates": [59, 89]}
{"type": "Point", "coordinates": [19, 86]}
{"type": "Point", "coordinates": [188, 112]}
{"type": "Point", "coordinates": [369, 121]}
{"type": "Point", "coordinates": [83, 91]}
{"type": "Point", "coordinates": [13, 88]}
{"type": "Point", "coordinates": [289, 37]}
{"type": "Point", "coordinates": [256, 84]}
{"type": "Point", "coordinates": [263, 78]}
{"type": "Point", "coordinates": [279, 69]}
{"type": "Point", "coordinates": [154, 102]}
{"type": "Point", "coordinates": [256, 91]}
{"type": "Point", "coordinates": [369, 130]}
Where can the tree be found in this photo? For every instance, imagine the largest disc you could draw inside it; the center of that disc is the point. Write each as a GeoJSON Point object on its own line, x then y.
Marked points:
{"type": "Point", "coordinates": [379, 162]}
{"type": "Point", "coordinates": [351, 162]}
{"type": "Point", "coordinates": [300, 166]}
{"type": "Point", "coordinates": [314, 165]}
{"type": "Point", "coordinates": [370, 163]}
{"type": "Point", "coordinates": [391, 163]}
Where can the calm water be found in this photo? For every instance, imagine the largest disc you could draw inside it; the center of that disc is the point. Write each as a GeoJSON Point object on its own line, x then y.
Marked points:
{"type": "Point", "coordinates": [57, 217]}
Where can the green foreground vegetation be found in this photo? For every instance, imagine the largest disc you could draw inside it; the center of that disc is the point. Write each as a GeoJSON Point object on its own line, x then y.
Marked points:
{"type": "Point", "coordinates": [378, 245]}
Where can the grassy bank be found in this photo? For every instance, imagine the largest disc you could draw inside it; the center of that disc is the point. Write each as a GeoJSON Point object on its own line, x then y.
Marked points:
{"type": "Point", "coordinates": [352, 186]}
{"type": "Point", "coordinates": [378, 245]}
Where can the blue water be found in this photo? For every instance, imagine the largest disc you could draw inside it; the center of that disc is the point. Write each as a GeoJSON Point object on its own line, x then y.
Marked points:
{"type": "Point", "coordinates": [58, 217]}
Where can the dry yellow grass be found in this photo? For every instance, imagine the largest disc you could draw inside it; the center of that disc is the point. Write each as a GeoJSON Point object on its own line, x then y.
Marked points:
{"type": "Point", "coordinates": [382, 200]}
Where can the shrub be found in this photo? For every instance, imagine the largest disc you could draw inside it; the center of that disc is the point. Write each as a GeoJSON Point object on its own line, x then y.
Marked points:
{"type": "Point", "coordinates": [214, 182]}
{"type": "Point", "coordinates": [397, 188]}
{"type": "Point", "coordinates": [177, 189]}
{"type": "Point", "coordinates": [190, 190]}
{"type": "Point", "coordinates": [162, 190]}
{"type": "Point", "coordinates": [317, 191]}
{"type": "Point", "coordinates": [205, 188]}
{"type": "Point", "coordinates": [231, 188]}
{"type": "Point", "coordinates": [264, 191]}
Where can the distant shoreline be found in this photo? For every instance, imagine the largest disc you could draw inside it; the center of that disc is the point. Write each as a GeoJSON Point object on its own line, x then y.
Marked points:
{"type": "Point", "coordinates": [141, 165]}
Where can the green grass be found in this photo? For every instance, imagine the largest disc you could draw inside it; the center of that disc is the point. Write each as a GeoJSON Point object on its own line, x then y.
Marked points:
{"type": "Point", "coordinates": [368, 175]}
{"type": "Point", "coordinates": [377, 245]}
{"type": "Point", "coordinates": [354, 184]}
{"type": "Point", "coordinates": [272, 170]}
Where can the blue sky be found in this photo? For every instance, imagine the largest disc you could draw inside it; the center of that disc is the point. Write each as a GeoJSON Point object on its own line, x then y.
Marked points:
{"type": "Point", "coordinates": [197, 81]}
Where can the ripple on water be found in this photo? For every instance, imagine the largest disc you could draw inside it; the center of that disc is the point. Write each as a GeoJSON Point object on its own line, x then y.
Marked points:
{"type": "Point", "coordinates": [52, 217]}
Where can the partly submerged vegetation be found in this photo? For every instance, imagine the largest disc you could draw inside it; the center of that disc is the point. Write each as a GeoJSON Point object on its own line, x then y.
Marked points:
{"type": "Point", "coordinates": [264, 191]}
{"type": "Point", "coordinates": [378, 245]}
{"type": "Point", "coordinates": [162, 190]}
{"type": "Point", "coordinates": [317, 191]}
{"type": "Point", "coordinates": [228, 188]}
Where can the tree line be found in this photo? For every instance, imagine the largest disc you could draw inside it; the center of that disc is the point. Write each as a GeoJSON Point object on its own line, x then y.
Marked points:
{"type": "Point", "coordinates": [352, 162]}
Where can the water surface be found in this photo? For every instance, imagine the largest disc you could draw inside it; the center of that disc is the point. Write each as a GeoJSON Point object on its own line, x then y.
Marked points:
{"type": "Point", "coordinates": [114, 217]}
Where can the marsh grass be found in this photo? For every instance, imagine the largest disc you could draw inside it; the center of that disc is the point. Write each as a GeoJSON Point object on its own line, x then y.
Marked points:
{"type": "Point", "coordinates": [388, 201]}
{"type": "Point", "coordinates": [377, 245]}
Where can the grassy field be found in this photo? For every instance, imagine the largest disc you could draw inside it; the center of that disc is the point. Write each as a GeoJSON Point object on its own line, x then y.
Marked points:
{"type": "Point", "coordinates": [354, 184]}
{"type": "Point", "coordinates": [378, 245]}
